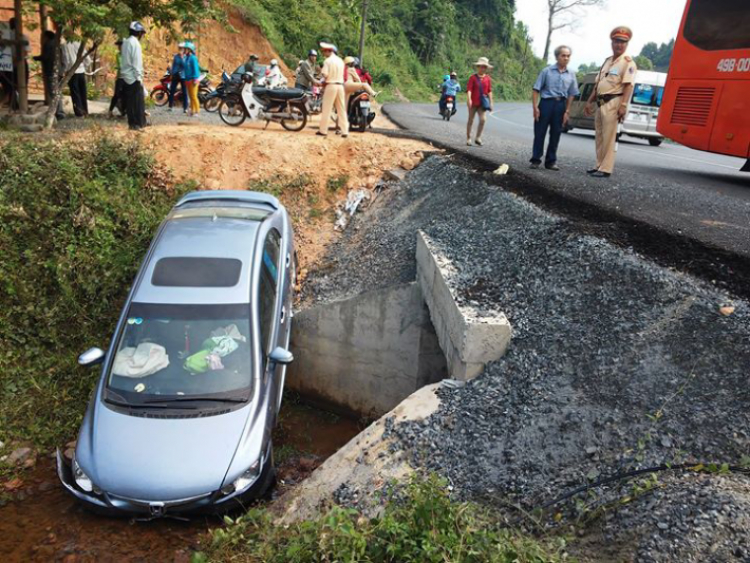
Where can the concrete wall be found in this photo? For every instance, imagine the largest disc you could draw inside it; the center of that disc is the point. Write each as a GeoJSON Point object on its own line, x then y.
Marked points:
{"type": "Point", "coordinates": [368, 353]}
{"type": "Point", "coordinates": [469, 341]}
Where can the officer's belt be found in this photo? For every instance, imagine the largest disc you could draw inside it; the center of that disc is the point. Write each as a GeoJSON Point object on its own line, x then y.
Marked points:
{"type": "Point", "coordinates": [606, 98]}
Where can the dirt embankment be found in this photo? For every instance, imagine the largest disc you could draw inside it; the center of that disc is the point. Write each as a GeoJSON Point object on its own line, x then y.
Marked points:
{"type": "Point", "coordinates": [309, 174]}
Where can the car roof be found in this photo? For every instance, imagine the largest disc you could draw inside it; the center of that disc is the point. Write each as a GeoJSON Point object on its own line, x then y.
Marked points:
{"type": "Point", "coordinates": [208, 225]}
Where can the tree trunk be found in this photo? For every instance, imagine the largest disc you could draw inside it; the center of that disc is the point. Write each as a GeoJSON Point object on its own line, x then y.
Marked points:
{"type": "Point", "coordinates": [550, 21]}
{"type": "Point", "coordinates": [56, 83]}
{"type": "Point", "coordinates": [20, 61]}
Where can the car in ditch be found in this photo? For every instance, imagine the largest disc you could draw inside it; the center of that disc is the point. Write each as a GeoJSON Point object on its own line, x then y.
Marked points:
{"type": "Point", "coordinates": [181, 419]}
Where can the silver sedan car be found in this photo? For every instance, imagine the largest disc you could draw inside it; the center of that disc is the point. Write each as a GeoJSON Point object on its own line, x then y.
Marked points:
{"type": "Point", "coordinates": [192, 382]}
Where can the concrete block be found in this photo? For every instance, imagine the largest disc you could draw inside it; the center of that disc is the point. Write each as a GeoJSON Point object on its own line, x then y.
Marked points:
{"type": "Point", "coordinates": [469, 340]}
{"type": "Point", "coordinates": [366, 354]}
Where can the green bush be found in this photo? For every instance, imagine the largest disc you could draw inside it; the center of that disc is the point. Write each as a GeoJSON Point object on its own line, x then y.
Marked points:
{"type": "Point", "coordinates": [75, 222]}
{"type": "Point", "coordinates": [421, 525]}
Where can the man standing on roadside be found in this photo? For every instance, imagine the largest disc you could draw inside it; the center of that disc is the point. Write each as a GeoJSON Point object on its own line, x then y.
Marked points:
{"type": "Point", "coordinates": [557, 87]}
{"type": "Point", "coordinates": [306, 74]}
{"type": "Point", "coordinates": [333, 94]}
{"type": "Point", "coordinates": [612, 91]}
{"type": "Point", "coordinates": [131, 72]}
{"type": "Point", "coordinates": [478, 98]}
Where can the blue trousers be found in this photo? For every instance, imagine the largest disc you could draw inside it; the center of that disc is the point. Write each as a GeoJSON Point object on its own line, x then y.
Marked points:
{"type": "Point", "coordinates": [551, 113]}
{"type": "Point", "coordinates": [173, 90]}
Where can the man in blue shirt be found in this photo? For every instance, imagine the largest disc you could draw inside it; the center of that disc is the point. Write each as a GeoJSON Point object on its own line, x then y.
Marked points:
{"type": "Point", "coordinates": [450, 88]}
{"type": "Point", "coordinates": [557, 87]}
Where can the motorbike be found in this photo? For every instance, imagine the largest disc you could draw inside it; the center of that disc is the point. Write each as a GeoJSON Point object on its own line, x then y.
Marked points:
{"type": "Point", "coordinates": [257, 103]}
{"type": "Point", "coordinates": [315, 100]}
{"type": "Point", "coordinates": [449, 108]}
{"type": "Point", "coordinates": [160, 92]}
{"type": "Point", "coordinates": [359, 111]}
{"type": "Point", "coordinates": [213, 99]}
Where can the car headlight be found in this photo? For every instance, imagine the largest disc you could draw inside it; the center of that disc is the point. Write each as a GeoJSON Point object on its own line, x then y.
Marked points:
{"type": "Point", "coordinates": [82, 480]}
{"type": "Point", "coordinates": [245, 480]}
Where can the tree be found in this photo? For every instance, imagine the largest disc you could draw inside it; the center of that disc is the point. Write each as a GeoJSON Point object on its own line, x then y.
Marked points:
{"type": "Point", "coordinates": [584, 69]}
{"type": "Point", "coordinates": [562, 14]}
{"type": "Point", "coordinates": [88, 21]}
{"type": "Point", "coordinates": [643, 63]}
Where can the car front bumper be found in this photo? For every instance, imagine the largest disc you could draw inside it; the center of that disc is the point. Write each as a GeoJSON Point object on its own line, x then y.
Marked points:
{"type": "Point", "coordinates": [113, 505]}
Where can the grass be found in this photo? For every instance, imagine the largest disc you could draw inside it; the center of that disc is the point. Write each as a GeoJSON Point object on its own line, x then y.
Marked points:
{"type": "Point", "coordinates": [420, 524]}
{"type": "Point", "coordinates": [75, 222]}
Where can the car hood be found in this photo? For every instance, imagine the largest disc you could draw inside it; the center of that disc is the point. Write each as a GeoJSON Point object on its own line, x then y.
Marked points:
{"type": "Point", "coordinates": [159, 459]}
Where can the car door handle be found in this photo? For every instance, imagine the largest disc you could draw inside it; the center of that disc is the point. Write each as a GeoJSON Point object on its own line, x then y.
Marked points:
{"type": "Point", "coordinates": [283, 314]}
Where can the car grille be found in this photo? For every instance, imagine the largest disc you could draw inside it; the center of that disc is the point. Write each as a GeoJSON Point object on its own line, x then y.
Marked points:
{"type": "Point", "coordinates": [693, 106]}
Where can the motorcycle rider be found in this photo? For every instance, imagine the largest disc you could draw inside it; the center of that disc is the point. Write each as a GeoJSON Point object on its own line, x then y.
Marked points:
{"type": "Point", "coordinates": [306, 75]}
{"type": "Point", "coordinates": [176, 75]}
{"type": "Point", "coordinates": [362, 72]}
{"type": "Point", "coordinates": [274, 78]}
{"type": "Point", "coordinates": [354, 82]}
{"type": "Point", "coordinates": [450, 89]}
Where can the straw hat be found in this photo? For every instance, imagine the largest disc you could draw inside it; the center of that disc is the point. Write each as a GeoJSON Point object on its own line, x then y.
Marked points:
{"type": "Point", "coordinates": [483, 61]}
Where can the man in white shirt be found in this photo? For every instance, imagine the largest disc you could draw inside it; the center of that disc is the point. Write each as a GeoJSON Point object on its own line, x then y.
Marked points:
{"type": "Point", "coordinates": [77, 82]}
{"type": "Point", "coordinates": [131, 72]}
{"type": "Point", "coordinates": [333, 95]}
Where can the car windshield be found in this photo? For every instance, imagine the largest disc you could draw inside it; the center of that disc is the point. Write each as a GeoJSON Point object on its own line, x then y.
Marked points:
{"type": "Point", "coordinates": [647, 95]}
{"type": "Point", "coordinates": [183, 351]}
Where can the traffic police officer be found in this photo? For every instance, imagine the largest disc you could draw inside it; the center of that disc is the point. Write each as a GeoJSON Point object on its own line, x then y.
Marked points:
{"type": "Point", "coordinates": [612, 91]}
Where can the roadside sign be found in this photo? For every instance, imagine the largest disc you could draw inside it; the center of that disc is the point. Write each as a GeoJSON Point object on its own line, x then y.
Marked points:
{"type": "Point", "coordinates": [6, 51]}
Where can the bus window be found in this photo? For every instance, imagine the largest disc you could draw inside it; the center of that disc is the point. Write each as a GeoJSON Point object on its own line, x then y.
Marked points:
{"type": "Point", "coordinates": [718, 25]}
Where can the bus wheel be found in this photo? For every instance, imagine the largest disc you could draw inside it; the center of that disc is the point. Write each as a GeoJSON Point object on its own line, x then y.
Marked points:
{"type": "Point", "coordinates": [655, 142]}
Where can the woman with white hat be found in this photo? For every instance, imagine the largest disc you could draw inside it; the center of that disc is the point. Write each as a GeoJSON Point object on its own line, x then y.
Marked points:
{"type": "Point", "coordinates": [478, 98]}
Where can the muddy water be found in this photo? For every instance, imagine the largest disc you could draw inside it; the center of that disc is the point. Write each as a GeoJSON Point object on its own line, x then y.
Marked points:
{"type": "Point", "coordinates": [43, 523]}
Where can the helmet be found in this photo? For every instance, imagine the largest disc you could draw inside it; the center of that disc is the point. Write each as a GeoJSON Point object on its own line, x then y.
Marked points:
{"type": "Point", "coordinates": [137, 27]}
{"type": "Point", "coordinates": [181, 45]}
{"type": "Point", "coordinates": [312, 53]}
{"type": "Point", "coordinates": [189, 45]}
{"type": "Point", "coordinates": [274, 62]}
{"type": "Point", "coordinates": [447, 77]}
{"type": "Point", "coordinates": [453, 75]}
{"type": "Point", "coordinates": [254, 57]}
{"type": "Point", "coordinates": [349, 60]}
{"type": "Point", "coordinates": [356, 61]}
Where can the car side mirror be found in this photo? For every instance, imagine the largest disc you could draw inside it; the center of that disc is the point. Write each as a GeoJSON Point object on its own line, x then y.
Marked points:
{"type": "Point", "coordinates": [91, 357]}
{"type": "Point", "coordinates": [281, 356]}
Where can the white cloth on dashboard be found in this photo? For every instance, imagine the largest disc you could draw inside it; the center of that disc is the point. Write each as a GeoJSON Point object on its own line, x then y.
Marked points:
{"type": "Point", "coordinates": [146, 359]}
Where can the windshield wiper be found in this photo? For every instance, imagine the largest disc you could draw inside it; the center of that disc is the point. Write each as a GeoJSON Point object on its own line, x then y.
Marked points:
{"type": "Point", "coordinates": [144, 405]}
{"type": "Point", "coordinates": [197, 398]}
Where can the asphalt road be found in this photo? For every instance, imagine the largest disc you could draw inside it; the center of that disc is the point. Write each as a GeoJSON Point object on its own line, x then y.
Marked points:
{"type": "Point", "coordinates": [672, 188]}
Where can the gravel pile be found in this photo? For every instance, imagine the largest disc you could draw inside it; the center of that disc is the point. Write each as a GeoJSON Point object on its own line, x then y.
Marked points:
{"type": "Point", "coordinates": [615, 365]}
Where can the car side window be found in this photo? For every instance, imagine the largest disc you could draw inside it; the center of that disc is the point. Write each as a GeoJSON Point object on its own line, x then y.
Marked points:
{"type": "Point", "coordinates": [269, 275]}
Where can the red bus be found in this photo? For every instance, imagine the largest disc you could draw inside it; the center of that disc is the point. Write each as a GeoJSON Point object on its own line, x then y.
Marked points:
{"type": "Point", "coordinates": [706, 103]}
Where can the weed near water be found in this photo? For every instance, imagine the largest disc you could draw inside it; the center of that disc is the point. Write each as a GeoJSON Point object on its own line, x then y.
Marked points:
{"type": "Point", "coordinates": [423, 525]}
{"type": "Point", "coordinates": [75, 222]}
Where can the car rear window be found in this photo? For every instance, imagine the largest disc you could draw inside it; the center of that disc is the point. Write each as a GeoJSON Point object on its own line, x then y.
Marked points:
{"type": "Point", "coordinates": [197, 272]}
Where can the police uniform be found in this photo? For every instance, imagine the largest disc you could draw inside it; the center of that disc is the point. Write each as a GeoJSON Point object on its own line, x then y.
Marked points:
{"type": "Point", "coordinates": [334, 97]}
{"type": "Point", "coordinates": [613, 77]}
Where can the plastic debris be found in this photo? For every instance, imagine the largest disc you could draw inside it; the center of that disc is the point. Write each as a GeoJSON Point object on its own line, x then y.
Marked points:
{"type": "Point", "coordinates": [502, 170]}
{"type": "Point", "coordinates": [353, 200]}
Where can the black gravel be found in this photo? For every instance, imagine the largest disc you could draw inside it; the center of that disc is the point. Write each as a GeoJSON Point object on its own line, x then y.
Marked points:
{"type": "Point", "coordinates": [615, 365]}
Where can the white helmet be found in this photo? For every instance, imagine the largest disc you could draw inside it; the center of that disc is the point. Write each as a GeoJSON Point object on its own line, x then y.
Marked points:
{"type": "Point", "coordinates": [274, 62]}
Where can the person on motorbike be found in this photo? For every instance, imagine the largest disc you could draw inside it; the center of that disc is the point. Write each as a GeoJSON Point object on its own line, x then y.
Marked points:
{"type": "Point", "coordinates": [354, 82]}
{"type": "Point", "coordinates": [365, 76]}
{"type": "Point", "coordinates": [450, 89]}
{"type": "Point", "coordinates": [176, 78]}
{"type": "Point", "coordinates": [306, 75]}
{"type": "Point", "coordinates": [274, 77]}
{"type": "Point", "coordinates": [192, 74]}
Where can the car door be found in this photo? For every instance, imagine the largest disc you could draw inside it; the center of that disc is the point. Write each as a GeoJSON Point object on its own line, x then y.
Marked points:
{"type": "Point", "coordinates": [270, 277]}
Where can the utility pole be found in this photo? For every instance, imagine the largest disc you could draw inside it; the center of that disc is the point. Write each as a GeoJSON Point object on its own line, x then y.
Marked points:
{"type": "Point", "coordinates": [362, 32]}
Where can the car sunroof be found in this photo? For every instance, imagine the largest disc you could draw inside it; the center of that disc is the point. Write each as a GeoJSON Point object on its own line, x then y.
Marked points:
{"type": "Point", "coordinates": [197, 272]}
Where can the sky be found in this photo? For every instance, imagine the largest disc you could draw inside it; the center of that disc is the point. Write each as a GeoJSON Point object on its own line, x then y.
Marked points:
{"type": "Point", "coordinates": [650, 20]}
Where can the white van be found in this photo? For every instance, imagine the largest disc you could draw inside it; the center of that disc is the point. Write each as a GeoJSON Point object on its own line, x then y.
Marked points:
{"type": "Point", "coordinates": [642, 112]}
